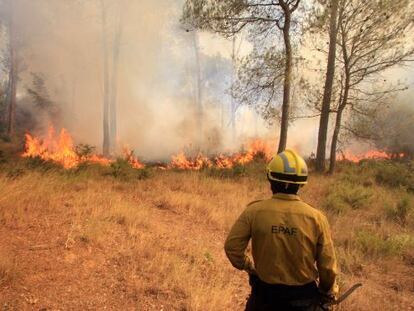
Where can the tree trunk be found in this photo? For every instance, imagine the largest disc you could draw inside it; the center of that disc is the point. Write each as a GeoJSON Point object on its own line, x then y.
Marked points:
{"type": "Point", "coordinates": [284, 124]}
{"type": "Point", "coordinates": [106, 136]}
{"type": "Point", "coordinates": [342, 105]}
{"type": "Point", "coordinates": [11, 96]}
{"type": "Point", "coordinates": [233, 102]}
{"type": "Point", "coordinates": [326, 102]}
{"type": "Point", "coordinates": [198, 90]}
{"type": "Point", "coordinates": [114, 85]}
{"type": "Point", "coordinates": [11, 115]}
{"type": "Point", "coordinates": [338, 122]}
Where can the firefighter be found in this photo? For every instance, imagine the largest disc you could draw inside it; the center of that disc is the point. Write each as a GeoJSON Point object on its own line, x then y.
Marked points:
{"type": "Point", "coordinates": [294, 265]}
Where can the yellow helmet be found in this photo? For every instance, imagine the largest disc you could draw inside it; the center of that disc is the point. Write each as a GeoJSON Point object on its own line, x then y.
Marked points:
{"type": "Point", "coordinates": [288, 167]}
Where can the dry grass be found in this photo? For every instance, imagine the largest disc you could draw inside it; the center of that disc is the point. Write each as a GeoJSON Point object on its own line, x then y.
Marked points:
{"type": "Point", "coordinates": [8, 269]}
{"type": "Point", "coordinates": [87, 240]}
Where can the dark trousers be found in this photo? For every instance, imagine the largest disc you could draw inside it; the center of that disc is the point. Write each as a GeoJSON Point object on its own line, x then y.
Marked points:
{"type": "Point", "coordinates": [277, 297]}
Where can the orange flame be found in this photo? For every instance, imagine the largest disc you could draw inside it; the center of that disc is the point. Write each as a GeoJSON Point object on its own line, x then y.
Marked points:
{"type": "Point", "coordinates": [61, 150]}
{"type": "Point", "coordinates": [369, 155]}
{"type": "Point", "coordinates": [132, 160]}
{"type": "Point", "coordinates": [182, 162]}
{"type": "Point", "coordinates": [257, 148]}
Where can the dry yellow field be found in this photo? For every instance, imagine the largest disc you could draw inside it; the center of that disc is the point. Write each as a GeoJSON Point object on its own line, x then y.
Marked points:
{"type": "Point", "coordinates": [87, 241]}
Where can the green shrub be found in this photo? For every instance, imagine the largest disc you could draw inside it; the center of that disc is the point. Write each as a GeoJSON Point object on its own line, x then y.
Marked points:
{"type": "Point", "coordinates": [394, 175]}
{"type": "Point", "coordinates": [121, 169]}
{"type": "Point", "coordinates": [38, 163]}
{"type": "Point", "coordinates": [400, 211]}
{"type": "Point", "coordinates": [375, 246]}
{"type": "Point", "coordinates": [334, 203]}
{"type": "Point", "coordinates": [84, 150]}
{"type": "Point", "coordinates": [357, 197]}
{"type": "Point", "coordinates": [344, 195]}
{"type": "Point", "coordinates": [144, 173]}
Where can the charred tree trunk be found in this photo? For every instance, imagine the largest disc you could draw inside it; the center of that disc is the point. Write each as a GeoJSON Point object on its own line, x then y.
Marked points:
{"type": "Point", "coordinates": [106, 134]}
{"type": "Point", "coordinates": [284, 124]}
{"type": "Point", "coordinates": [326, 102]}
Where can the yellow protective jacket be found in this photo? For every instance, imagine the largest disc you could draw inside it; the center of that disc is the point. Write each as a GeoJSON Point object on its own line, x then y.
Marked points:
{"type": "Point", "coordinates": [291, 243]}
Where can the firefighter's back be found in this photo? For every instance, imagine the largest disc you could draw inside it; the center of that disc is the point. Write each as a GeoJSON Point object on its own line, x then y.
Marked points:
{"type": "Point", "coordinates": [285, 233]}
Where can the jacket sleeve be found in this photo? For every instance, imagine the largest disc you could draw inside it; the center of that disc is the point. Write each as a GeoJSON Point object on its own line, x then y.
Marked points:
{"type": "Point", "coordinates": [326, 261]}
{"type": "Point", "coordinates": [237, 241]}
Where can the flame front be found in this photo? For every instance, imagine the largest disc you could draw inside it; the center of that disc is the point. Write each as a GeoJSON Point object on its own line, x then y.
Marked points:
{"type": "Point", "coordinates": [181, 161]}
{"type": "Point", "coordinates": [257, 149]}
{"type": "Point", "coordinates": [369, 155]}
{"type": "Point", "coordinates": [132, 160]}
{"type": "Point", "coordinates": [61, 150]}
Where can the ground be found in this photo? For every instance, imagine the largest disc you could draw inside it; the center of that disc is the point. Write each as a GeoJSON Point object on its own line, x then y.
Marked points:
{"type": "Point", "coordinates": [89, 240]}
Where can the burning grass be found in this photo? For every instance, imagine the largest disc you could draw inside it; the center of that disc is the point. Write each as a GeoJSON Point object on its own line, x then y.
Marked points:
{"type": "Point", "coordinates": [95, 236]}
{"type": "Point", "coordinates": [368, 155]}
{"type": "Point", "coordinates": [60, 149]}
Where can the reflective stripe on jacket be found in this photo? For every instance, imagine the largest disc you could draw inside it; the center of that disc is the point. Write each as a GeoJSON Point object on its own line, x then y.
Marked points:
{"type": "Point", "coordinates": [291, 243]}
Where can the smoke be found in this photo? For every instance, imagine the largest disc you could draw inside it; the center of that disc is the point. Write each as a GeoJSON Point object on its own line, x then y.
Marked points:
{"type": "Point", "coordinates": [157, 114]}
{"type": "Point", "coordinates": [157, 111]}
{"type": "Point", "coordinates": [392, 128]}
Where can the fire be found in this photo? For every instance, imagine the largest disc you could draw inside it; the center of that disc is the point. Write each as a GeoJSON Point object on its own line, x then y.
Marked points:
{"type": "Point", "coordinates": [257, 148]}
{"type": "Point", "coordinates": [182, 162]}
{"type": "Point", "coordinates": [371, 154]}
{"type": "Point", "coordinates": [132, 160]}
{"type": "Point", "coordinates": [61, 149]}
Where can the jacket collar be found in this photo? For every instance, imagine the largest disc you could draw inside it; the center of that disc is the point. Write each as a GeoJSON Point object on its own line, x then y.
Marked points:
{"type": "Point", "coordinates": [284, 196]}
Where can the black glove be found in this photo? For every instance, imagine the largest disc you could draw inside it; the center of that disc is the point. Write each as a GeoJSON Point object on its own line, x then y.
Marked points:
{"type": "Point", "coordinates": [325, 301]}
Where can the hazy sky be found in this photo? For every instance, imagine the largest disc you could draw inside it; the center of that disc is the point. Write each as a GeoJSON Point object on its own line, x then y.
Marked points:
{"type": "Point", "coordinates": [62, 40]}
